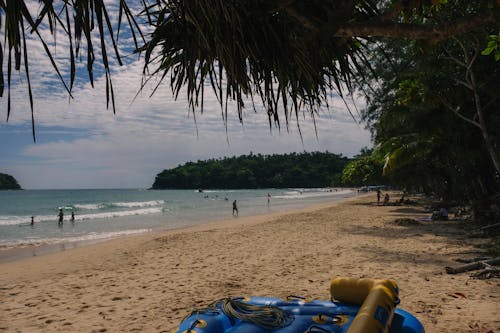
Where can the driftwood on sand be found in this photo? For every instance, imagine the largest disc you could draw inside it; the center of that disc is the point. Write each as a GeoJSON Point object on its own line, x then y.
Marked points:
{"type": "Point", "coordinates": [485, 265]}
{"type": "Point", "coordinates": [490, 229]}
{"type": "Point", "coordinates": [490, 226]}
{"type": "Point", "coordinates": [487, 273]}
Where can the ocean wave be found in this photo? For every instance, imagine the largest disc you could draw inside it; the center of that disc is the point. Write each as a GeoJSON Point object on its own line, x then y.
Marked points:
{"type": "Point", "coordinates": [129, 204]}
{"type": "Point", "coordinates": [311, 193]}
{"type": "Point", "coordinates": [23, 220]}
{"type": "Point", "coordinates": [106, 215]}
{"type": "Point", "coordinates": [89, 206]}
{"type": "Point", "coordinates": [65, 207]}
{"type": "Point", "coordinates": [15, 220]}
{"type": "Point", "coordinates": [93, 236]}
{"type": "Point", "coordinates": [138, 203]}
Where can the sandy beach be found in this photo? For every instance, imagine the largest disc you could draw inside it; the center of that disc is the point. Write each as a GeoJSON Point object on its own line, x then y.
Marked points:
{"type": "Point", "coordinates": [149, 283]}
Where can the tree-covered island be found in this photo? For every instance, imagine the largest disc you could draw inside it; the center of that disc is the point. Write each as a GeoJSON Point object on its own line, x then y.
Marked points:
{"type": "Point", "coordinates": [308, 170]}
{"type": "Point", "coordinates": [7, 182]}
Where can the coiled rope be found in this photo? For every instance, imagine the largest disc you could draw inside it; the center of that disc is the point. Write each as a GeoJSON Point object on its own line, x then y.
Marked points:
{"type": "Point", "coordinates": [264, 316]}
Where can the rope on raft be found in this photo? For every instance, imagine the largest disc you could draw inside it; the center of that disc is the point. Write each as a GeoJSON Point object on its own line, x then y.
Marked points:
{"type": "Point", "coordinates": [266, 316]}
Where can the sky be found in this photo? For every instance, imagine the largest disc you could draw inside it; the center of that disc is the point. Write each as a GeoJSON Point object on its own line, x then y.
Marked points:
{"type": "Point", "coordinates": [82, 144]}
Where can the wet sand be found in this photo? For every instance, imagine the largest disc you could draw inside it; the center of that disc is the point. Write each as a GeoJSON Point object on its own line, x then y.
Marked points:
{"type": "Point", "coordinates": [149, 283]}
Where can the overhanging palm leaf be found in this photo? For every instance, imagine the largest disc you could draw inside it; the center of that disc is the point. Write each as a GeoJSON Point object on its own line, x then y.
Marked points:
{"type": "Point", "coordinates": [76, 16]}
{"type": "Point", "coordinates": [255, 48]}
{"type": "Point", "coordinates": [403, 150]}
{"type": "Point", "coordinates": [288, 53]}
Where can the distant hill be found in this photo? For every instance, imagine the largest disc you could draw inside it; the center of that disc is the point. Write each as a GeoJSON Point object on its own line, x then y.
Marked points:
{"type": "Point", "coordinates": [7, 182]}
{"type": "Point", "coordinates": [307, 170]}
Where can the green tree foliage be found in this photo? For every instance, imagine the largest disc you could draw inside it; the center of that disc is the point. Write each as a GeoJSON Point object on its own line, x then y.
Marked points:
{"type": "Point", "coordinates": [363, 171]}
{"type": "Point", "coordinates": [307, 170]}
{"type": "Point", "coordinates": [7, 182]}
{"type": "Point", "coordinates": [493, 47]}
{"type": "Point", "coordinates": [424, 117]}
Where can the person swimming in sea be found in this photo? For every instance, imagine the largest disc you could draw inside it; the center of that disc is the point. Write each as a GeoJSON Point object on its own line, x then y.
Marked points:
{"type": "Point", "coordinates": [61, 216]}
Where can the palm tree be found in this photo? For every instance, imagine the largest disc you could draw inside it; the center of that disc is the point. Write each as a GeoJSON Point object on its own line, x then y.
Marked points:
{"type": "Point", "coordinates": [288, 53]}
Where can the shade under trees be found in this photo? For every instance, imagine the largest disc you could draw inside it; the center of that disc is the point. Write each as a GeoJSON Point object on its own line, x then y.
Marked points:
{"type": "Point", "coordinates": [423, 114]}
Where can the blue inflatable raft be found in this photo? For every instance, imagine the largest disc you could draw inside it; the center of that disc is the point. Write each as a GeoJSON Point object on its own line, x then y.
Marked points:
{"type": "Point", "coordinates": [357, 306]}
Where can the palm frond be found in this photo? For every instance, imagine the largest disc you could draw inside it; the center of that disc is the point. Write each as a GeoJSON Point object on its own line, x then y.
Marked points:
{"type": "Point", "coordinates": [404, 150]}
{"type": "Point", "coordinates": [283, 52]}
{"type": "Point", "coordinates": [78, 20]}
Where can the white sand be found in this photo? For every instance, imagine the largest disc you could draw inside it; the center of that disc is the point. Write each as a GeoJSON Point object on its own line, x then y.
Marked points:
{"type": "Point", "coordinates": [149, 283]}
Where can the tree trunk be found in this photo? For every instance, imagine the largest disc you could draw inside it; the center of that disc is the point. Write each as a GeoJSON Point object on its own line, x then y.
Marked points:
{"type": "Point", "coordinates": [482, 122]}
{"type": "Point", "coordinates": [471, 84]}
{"type": "Point", "coordinates": [419, 31]}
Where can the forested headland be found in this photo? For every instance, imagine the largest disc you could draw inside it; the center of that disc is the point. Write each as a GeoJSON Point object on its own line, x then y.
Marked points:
{"type": "Point", "coordinates": [308, 170]}
{"type": "Point", "coordinates": [7, 182]}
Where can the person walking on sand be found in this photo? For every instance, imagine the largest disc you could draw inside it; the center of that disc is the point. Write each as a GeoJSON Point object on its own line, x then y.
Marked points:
{"type": "Point", "coordinates": [235, 208]}
{"type": "Point", "coordinates": [379, 193]}
{"type": "Point", "coordinates": [61, 216]}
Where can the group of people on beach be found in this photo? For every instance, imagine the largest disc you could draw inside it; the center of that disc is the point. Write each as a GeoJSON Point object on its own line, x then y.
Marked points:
{"type": "Point", "coordinates": [60, 218]}
{"type": "Point", "coordinates": [387, 198]}
{"type": "Point", "coordinates": [437, 215]}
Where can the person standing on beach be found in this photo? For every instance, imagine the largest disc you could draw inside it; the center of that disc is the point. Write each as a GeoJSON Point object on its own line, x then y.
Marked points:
{"type": "Point", "coordinates": [61, 216]}
{"type": "Point", "coordinates": [268, 200]}
{"type": "Point", "coordinates": [235, 208]}
{"type": "Point", "coordinates": [32, 221]}
{"type": "Point", "coordinates": [379, 193]}
{"type": "Point", "coordinates": [73, 217]}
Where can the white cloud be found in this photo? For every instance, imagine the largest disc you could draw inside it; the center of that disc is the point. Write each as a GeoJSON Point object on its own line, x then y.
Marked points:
{"type": "Point", "coordinates": [150, 134]}
{"type": "Point", "coordinates": [147, 134]}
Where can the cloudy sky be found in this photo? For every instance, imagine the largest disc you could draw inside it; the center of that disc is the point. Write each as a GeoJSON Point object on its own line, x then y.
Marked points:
{"type": "Point", "coordinates": [81, 144]}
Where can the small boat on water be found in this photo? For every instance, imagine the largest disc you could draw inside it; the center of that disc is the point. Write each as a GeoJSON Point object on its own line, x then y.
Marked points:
{"type": "Point", "coordinates": [356, 306]}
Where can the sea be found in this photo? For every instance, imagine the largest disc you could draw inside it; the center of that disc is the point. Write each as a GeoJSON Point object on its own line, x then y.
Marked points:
{"type": "Point", "coordinates": [101, 214]}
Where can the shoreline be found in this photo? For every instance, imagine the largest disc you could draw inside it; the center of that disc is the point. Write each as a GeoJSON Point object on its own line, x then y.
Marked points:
{"type": "Point", "coordinates": [149, 283]}
{"type": "Point", "coordinates": [23, 251]}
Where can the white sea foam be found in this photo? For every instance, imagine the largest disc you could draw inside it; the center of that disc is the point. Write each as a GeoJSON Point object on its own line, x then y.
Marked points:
{"type": "Point", "coordinates": [311, 193]}
{"type": "Point", "coordinates": [138, 203]}
{"type": "Point", "coordinates": [14, 220]}
{"type": "Point", "coordinates": [215, 191]}
{"type": "Point", "coordinates": [18, 220]}
{"type": "Point", "coordinates": [107, 215]}
{"type": "Point", "coordinates": [126, 204]}
{"type": "Point", "coordinates": [89, 206]}
{"type": "Point", "coordinates": [93, 236]}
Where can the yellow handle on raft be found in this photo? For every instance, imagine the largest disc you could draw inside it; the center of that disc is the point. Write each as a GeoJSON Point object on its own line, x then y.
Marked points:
{"type": "Point", "coordinates": [378, 300]}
